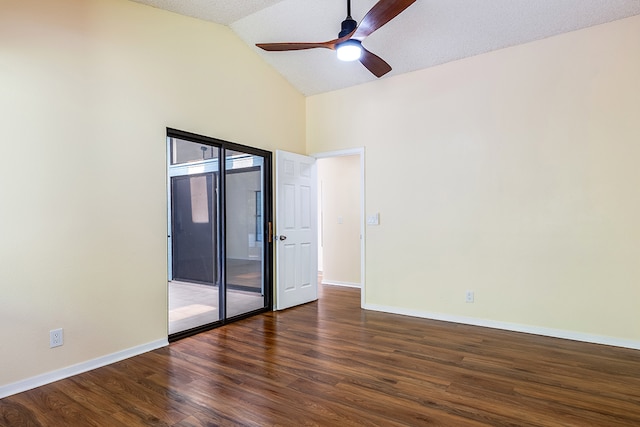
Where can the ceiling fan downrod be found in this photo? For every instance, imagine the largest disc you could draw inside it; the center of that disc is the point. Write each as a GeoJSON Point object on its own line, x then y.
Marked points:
{"type": "Point", "coordinates": [348, 25]}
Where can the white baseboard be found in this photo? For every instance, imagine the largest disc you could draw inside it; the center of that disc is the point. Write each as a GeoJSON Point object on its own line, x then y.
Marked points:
{"type": "Point", "coordinates": [514, 327]}
{"type": "Point", "coordinates": [336, 283]}
{"type": "Point", "coordinates": [69, 371]}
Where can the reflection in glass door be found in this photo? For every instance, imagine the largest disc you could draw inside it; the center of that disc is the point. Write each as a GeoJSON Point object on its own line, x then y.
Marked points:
{"type": "Point", "coordinates": [218, 249]}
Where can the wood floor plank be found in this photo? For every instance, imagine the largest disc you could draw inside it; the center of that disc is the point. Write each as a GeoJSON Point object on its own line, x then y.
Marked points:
{"type": "Point", "coordinates": [329, 363]}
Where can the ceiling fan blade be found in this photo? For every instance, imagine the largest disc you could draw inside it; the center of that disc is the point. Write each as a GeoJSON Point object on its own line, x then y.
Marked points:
{"type": "Point", "coordinates": [381, 13]}
{"type": "Point", "coordinates": [374, 63]}
{"type": "Point", "coordinates": [279, 47]}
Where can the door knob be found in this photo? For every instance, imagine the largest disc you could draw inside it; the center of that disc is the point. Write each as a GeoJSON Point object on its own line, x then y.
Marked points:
{"type": "Point", "coordinates": [282, 237]}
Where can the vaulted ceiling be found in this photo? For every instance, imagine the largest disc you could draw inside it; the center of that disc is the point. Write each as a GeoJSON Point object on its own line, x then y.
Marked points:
{"type": "Point", "coordinates": [428, 33]}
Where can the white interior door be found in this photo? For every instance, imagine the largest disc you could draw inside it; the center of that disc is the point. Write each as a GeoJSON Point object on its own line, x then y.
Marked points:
{"type": "Point", "coordinates": [296, 236]}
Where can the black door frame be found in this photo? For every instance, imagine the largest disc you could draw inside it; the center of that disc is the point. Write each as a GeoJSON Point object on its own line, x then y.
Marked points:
{"type": "Point", "coordinates": [267, 219]}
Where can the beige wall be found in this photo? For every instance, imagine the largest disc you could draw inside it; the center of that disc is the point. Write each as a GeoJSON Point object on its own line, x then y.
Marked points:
{"type": "Point", "coordinates": [339, 181]}
{"type": "Point", "coordinates": [88, 89]}
{"type": "Point", "coordinates": [513, 174]}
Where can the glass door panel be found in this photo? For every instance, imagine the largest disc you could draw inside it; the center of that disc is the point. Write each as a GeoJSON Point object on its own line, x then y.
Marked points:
{"type": "Point", "coordinates": [194, 252]}
{"type": "Point", "coordinates": [244, 233]}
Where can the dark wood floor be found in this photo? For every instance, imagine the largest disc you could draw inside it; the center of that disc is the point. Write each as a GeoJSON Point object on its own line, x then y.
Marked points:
{"type": "Point", "coordinates": [330, 363]}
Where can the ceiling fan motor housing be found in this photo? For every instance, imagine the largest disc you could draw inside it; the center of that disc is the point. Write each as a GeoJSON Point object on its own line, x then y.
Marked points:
{"type": "Point", "coordinates": [348, 25]}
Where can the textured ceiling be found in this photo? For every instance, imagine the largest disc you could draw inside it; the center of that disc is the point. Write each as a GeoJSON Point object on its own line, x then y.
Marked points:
{"type": "Point", "coordinates": [428, 33]}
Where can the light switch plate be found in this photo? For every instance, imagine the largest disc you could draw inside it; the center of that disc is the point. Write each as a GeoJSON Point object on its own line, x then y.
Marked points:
{"type": "Point", "coordinates": [373, 219]}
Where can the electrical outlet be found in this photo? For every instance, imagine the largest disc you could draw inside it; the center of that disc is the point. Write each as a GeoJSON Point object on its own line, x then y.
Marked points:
{"type": "Point", "coordinates": [469, 296]}
{"type": "Point", "coordinates": [56, 338]}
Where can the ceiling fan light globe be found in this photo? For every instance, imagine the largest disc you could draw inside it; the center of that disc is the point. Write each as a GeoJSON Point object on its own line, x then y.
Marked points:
{"type": "Point", "coordinates": [350, 50]}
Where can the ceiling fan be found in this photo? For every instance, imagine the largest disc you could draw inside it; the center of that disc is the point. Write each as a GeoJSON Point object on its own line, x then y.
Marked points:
{"type": "Point", "coordinates": [349, 42]}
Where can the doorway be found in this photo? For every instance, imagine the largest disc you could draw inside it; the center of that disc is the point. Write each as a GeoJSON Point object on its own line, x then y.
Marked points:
{"type": "Point", "coordinates": [341, 218]}
{"type": "Point", "coordinates": [219, 210]}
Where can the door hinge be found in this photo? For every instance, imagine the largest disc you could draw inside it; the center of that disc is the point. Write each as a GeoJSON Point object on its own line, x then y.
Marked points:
{"type": "Point", "coordinates": [270, 232]}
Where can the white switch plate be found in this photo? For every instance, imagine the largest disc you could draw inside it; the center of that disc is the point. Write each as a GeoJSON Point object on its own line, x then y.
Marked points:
{"type": "Point", "coordinates": [373, 219]}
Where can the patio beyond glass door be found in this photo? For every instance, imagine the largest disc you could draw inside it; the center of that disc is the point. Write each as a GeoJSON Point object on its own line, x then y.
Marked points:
{"type": "Point", "coordinates": [217, 251]}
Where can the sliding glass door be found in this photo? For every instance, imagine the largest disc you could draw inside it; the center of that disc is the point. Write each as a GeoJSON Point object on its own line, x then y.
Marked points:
{"type": "Point", "coordinates": [244, 232]}
{"type": "Point", "coordinates": [219, 213]}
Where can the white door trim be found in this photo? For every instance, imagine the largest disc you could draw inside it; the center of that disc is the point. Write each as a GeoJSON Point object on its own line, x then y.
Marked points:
{"type": "Point", "coordinates": [355, 152]}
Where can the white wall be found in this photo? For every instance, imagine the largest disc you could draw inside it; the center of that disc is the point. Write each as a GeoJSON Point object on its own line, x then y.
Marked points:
{"type": "Point", "coordinates": [513, 174]}
{"type": "Point", "coordinates": [88, 90]}
{"type": "Point", "coordinates": [339, 179]}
